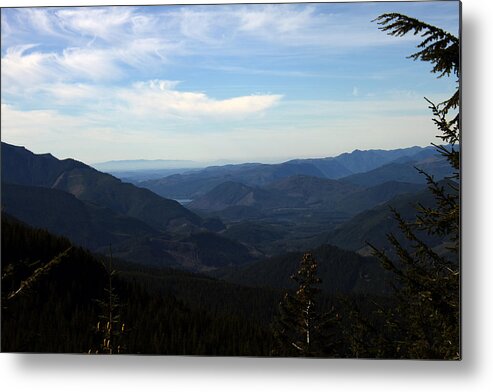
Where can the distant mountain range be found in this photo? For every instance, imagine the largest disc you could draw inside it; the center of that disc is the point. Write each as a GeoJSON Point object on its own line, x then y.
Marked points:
{"type": "Point", "coordinates": [197, 183]}
{"type": "Point", "coordinates": [138, 170]}
{"type": "Point", "coordinates": [362, 161]}
{"type": "Point", "coordinates": [144, 164]}
{"type": "Point", "coordinates": [239, 213]}
{"type": "Point", "coordinates": [404, 172]}
{"type": "Point", "coordinates": [138, 165]}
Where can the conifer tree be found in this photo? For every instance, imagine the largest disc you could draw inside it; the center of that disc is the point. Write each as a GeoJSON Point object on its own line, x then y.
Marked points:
{"type": "Point", "coordinates": [110, 329]}
{"type": "Point", "coordinates": [425, 323]}
{"type": "Point", "coordinates": [301, 329]}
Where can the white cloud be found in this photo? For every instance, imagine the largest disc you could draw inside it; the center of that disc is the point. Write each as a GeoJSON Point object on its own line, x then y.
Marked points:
{"type": "Point", "coordinates": [146, 53]}
{"type": "Point", "coordinates": [20, 69]}
{"type": "Point", "coordinates": [144, 24]}
{"type": "Point", "coordinates": [200, 25]}
{"type": "Point", "coordinates": [159, 98]}
{"type": "Point", "coordinates": [90, 64]}
{"type": "Point", "coordinates": [100, 44]}
{"type": "Point", "coordinates": [274, 18]}
{"type": "Point", "coordinates": [156, 99]}
{"type": "Point", "coordinates": [24, 66]}
{"type": "Point", "coordinates": [42, 127]}
{"type": "Point", "coordinates": [40, 20]}
{"type": "Point", "coordinates": [75, 58]}
{"type": "Point", "coordinates": [68, 93]}
{"type": "Point", "coordinates": [104, 23]}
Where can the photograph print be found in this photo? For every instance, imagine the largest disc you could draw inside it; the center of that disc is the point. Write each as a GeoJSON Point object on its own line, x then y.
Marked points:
{"type": "Point", "coordinates": [261, 180]}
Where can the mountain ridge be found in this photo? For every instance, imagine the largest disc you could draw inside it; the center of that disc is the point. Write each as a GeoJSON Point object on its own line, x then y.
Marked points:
{"type": "Point", "coordinates": [197, 183]}
{"type": "Point", "coordinates": [22, 167]}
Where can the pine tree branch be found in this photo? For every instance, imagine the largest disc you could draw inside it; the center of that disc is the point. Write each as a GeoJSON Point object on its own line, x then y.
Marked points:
{"type": "Point", "coordinates": [39, 274]}
{"type": "Point", "coordinates": [439, 47]}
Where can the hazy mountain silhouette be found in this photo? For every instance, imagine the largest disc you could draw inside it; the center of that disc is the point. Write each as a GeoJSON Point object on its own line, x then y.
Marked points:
{"type": "Point", "coordinates": [197, 183]}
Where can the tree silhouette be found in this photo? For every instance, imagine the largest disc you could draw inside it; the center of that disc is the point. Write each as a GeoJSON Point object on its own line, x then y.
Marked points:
{"type": "Point", "coordinates": [425, 322]}
{"type": "Point", "coordinates": [110, 329]}
{"type": "Point", "coordinates": [301, 329]}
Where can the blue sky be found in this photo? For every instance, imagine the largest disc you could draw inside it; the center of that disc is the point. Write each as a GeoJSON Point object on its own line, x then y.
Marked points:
{"type": "Point", "coordinates": [231, 82]}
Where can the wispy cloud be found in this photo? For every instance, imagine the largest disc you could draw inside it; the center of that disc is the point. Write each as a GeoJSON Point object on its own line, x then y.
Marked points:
{"type": "Point", "coordinates": [252, 76]}
{"type": "Point", "coordinates": [91, 64]}
{"type": "Point", "coordinates": [25, 65]}
{"type": "Point", "coordinates": [268, 72]}
{"type": "Point", "coordinates": [103, 23]}
{"type": "Point", "coordinates": [46, 126]}
{"type": "Point", "coordinates": [70, 93]}
{"type": "Point", "coordinates": [155, 99]}
{"type": "Point", "coordinates": [275, 19]}
{"type": "Point", "coordinates": [96, 44]}
{"type": "Point", "coordinates": [21, 69]}
{"type": "Point", "coordinates": [159, 98]}
{"type": "Point", "coordinates": [101, 43]}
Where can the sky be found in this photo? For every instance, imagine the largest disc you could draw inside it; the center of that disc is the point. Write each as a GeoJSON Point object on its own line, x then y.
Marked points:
{"type": "Point", "coordinates": [235, 83]}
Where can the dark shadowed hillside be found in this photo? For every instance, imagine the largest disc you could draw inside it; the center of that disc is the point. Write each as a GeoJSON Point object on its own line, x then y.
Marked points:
{"type": "Point", "coordinates": [312, 191]}
{"type": "Point", "coordinates": [370, 197]}
{"type": "Point", "coordinates": [62, 213]}
{"type": "Point", "coordinates": [228, 194]}
{"type": "Point", "coordinates": [198, 252]}
{"type": "Point", "coordinates": [299, 193]}
{"type": "Point", "coordinates": [22, 167]}
{"type": "Point", "coordinates": [291, 213]}
{"type": "Point", "coordinates": [341, 271]}
{"type": "Point", "coordinates": [372, 225]}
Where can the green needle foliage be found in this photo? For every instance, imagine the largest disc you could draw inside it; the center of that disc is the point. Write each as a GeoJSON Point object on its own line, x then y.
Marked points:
{"type": "Point", "coordinates": [425, 321]}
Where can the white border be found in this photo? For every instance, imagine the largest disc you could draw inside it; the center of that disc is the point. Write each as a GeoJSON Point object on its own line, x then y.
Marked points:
{"type": "Point", "coordinates": [90, 373]}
